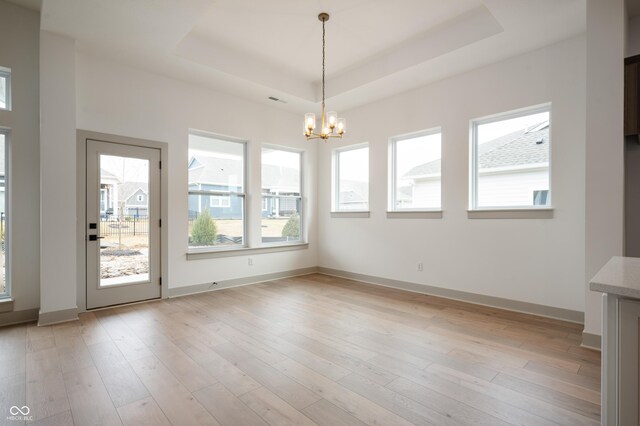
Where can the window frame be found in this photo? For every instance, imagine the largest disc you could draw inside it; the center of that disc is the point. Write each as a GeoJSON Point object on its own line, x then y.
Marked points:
{"type": "Point", "coordinates": [243, 194]}
{"type": "Point", "coordinates": [473, 165]}
{"type": "Point", "coordinates": [335, 185]}
{"type": "Point", "coordinates": [7, 295]}
{"type": "Point", "coordinates": [6, 74]}
{"type": "Point", "coordinates": [392, 190]}
{"type": "Point", "coordinates": [301, 153]}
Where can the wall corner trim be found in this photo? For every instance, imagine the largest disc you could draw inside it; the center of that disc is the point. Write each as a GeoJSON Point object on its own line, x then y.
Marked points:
{"type": "Point", "coordinates": [591, 341]}
{"type": "Point", "coordinates": [56, 317]}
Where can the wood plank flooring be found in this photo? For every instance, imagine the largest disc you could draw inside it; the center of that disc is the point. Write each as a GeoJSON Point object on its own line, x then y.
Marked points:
{"type": "Point", "coordinates": [301, 351]}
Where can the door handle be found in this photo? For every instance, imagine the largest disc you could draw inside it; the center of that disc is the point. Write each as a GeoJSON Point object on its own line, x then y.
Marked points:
{"type": "Point", "coordinates": [94, 238]}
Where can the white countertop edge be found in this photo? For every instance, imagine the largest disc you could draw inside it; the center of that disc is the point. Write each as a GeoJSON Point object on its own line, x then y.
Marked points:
{"type": "Point", "coordinates": [619, 276]}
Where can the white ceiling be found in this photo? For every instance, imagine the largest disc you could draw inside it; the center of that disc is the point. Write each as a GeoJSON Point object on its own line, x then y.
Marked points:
{"type": "Point", "coordinates": [255, 49]}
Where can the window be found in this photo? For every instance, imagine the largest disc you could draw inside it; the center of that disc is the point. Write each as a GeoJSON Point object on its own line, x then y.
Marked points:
{"type": "Point", "coordinates": [5, 88]}
{"type": "Point", "coordinates": [140, 197]}
{"type": "Point", "coordinates": [4, 284]}
{"type": "Point", "coordinates": [217, 207]}
{"type": "Point", "coordinates": [351, 179]}
{"type": "Point", "coordinates": [415, 163]}
{"type": "Point", "coordinates": [220, 201]}
{"type": "Point", "coordinates": [540, 197]}
{"type": "Point", "coordinates": [281, 195]}
{"type": "Point", "coordinates": [510, 160]}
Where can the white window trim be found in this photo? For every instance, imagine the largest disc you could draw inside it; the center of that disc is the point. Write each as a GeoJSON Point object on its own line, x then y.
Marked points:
{"type": "Point", "coordinates": [335, 211]}
{"type": "Point", "coordinates": [140, 197]}
{"type": "Point", "coordinates": [243, 195]}
{"type": "Point", "coordinates": [505, 212]}
{"type": "Point", "coordinates": [303, 236]}
{"type": "Point", "coordinates": [393, 178]}
{"type": "Point", "coordinates": [6, 73]}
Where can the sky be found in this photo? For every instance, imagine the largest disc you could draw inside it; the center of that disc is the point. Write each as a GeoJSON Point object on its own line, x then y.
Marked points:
{"type": "Point", "coordinates": [126, 169]}
{"type": "Point", "coordinates": [490, 131]}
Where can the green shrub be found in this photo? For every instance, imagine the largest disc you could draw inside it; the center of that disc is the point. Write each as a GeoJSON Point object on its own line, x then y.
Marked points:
{"type": "Point", "coordinates": [292, 227]}
{"type": "Point", "coordinates": [204, 230]}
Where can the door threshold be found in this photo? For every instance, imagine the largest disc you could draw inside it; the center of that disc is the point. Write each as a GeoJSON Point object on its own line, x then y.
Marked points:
{"type": "Point", "coordinates": [116, 305]}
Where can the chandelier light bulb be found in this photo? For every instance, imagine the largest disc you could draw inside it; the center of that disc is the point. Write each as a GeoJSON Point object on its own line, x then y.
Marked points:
{"type": "Point", "coordinates": [342, 126]}
{"type": "Point", "coordinates": [332, 118]}
{"type": "Point", "coordinates": [310, 120]}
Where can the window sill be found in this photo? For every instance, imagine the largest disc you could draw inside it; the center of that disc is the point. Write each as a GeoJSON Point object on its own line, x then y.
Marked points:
{"type": "Point", "coordinates": [510, 214]}
{"type": "Point", "coordinates": [243, 251]}
{"type": "Point", "coordinates": [414, 214]}
{"type": "Point", "coordinates": [354, 214]}
{"type": "Point", "coordinates": [6, 304]}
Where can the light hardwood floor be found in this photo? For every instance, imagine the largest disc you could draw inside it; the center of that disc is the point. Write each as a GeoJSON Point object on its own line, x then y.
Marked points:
{"type": "Point", "coordinates": [301, 351]}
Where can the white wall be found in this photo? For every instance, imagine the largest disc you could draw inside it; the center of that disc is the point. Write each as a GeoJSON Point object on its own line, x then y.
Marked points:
{"type": "Point", "coordinates": [20, 33]}
{"type": "Point", "coordinates": [605, 146]}
{"type": "Point", "coordinates": [58, 278]}
{"type": "Point", "coordinates": [115, 99]}
{"type": "Point", "coordinates": [532, 260]}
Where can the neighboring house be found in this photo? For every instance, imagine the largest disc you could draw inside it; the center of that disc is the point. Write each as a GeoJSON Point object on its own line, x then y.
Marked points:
{"type": "Point", "coordinates": [353, 195]}
{"type": "Point", "coordinates": [208, 173]}
{"type": "Point", "coordinates": [129, 198]}
{"type": "Point", "coordinates": [278, 184]}
{"type": "Point", "coordinates": [513, 170]}
{"type": "Point", "coordinates": [133, 199]}
{"type": "Point", "coordinates": [108, 194]}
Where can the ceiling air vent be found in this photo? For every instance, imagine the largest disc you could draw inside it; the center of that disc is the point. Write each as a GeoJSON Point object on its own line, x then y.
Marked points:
{"type": "Point", "coordinates": [276, 99]}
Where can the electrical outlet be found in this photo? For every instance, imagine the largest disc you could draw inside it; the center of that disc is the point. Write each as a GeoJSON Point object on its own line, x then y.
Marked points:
{"type": "Point", "coordinates": [250, 261]}
{"type": "Point", "coordinates": [420, 267]}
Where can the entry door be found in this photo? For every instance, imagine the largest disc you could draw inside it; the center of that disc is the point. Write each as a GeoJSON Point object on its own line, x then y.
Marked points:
{"type": "Point", "coordinates": [123, 224]}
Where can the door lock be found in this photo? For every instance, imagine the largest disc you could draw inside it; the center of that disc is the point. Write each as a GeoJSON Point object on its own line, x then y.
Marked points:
{"type": "Point", "coordinates": [94, 238]}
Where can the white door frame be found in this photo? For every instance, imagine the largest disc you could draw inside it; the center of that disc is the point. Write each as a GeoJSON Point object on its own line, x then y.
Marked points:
{"type": "Point", "coordinates": [81, 190]}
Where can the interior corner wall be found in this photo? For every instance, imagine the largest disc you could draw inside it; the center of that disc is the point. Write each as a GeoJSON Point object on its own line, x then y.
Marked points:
{"type": "Point", "coordinates": [633, 37]}
{"type": "Point", "coordinates": [57, 174]}
{"type": "Point", "coordinates": [537, 261]}
{"type": "Point", "coordinates": [604, 230]}
{"type": "Point", "coordinates": [20, 32]}
{"type": "Point", "coordinates": [117, 99]}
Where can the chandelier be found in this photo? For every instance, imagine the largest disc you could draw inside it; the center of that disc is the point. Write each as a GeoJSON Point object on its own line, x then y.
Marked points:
{"type": "Point", "coordinates": [331, 126]}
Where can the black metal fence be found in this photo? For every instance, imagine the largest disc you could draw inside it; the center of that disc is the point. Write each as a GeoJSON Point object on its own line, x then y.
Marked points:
{"type": "Point", "coordinates": [130, 225]}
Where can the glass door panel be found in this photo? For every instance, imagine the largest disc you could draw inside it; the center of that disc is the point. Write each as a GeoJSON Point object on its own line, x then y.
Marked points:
{"type": "Point", "coordinates": [124, 220]}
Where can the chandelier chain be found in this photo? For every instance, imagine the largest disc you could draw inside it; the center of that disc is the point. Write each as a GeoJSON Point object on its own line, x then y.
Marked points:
{"type": "Point", "coordinates": [323, 44]}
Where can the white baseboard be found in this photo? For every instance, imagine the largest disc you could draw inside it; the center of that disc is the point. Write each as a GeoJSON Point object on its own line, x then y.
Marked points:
{"type": "Point", "coordinates": [478, 299]}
